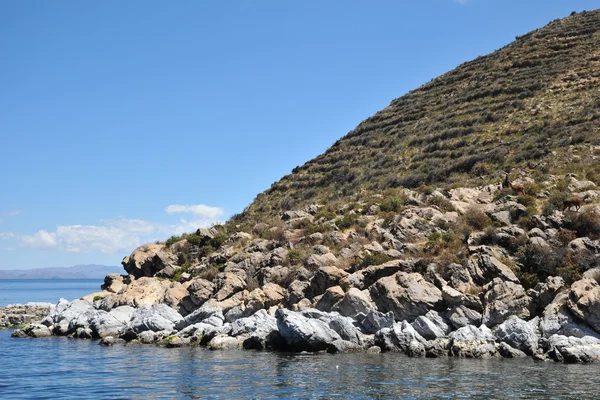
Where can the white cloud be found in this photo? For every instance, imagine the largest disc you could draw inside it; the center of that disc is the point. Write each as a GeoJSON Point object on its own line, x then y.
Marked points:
{"type": "Point", "coordinates": [13, 213]}
{"type": "Point", "coordinates": [201, 211]}
{"type": "Point", "coordinates": [121, 234]}
{"type": "Point", "coordinates": [83, 238]}
{"type": "Point", "coordinates": [41, 239]}
{"type": "Point", "coordinates": [6, 235]}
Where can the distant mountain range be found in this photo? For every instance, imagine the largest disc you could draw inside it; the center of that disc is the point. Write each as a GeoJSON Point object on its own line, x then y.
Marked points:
{"type": "Point", "coordinates": [90, 271]}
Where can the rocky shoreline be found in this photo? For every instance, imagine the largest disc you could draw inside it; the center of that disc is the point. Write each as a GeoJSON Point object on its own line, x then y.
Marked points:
{"type": "Point", "coordinates": [471, 272]}
{"type": "Point", "coordinates": [554, 336]}
{"type": "Point", "coordinates": [17, 315]}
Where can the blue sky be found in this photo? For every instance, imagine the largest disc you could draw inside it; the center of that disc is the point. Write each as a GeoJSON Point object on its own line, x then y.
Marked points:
{"type": "Point", "coordinates": [126, 122]}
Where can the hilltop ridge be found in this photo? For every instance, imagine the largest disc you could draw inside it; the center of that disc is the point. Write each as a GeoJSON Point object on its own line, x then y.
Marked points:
{"type": "Point", "coordinates": [520, 107]}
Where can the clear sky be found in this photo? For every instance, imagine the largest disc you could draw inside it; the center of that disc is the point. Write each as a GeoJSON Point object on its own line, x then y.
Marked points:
{"type": "Point", "coordinates": [123, 122]}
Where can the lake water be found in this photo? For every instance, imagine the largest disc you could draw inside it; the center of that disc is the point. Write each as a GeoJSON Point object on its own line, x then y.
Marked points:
{"type": "Point", "coordinates": [48, 290]}
{"type": "Point", "coordinates": [55, 368]}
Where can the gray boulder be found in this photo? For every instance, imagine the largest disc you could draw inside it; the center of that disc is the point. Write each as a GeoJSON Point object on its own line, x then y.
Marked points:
{"type": "Point", "coordinates": [112, 323]}
{"type": "Point", "coordinates": [502, 299]}
{"type": "Point", "coordinates": [472, 342]}
{"type": "Point", "coordinates": [33, 330]}
{"type": "Point", "coordinates": [483, 268]}
{"type": "Point", "coordinates": [557, 319]}
{"type": "Point", "coordinates": [518, 334]}
{"type": "Point", "coordinates": [375, 320]}
{"type": "Point", "coordinates": [569, 349]}
{"type": "Point", "coordinates": [155, 318]}
{"type": "Point", "coordinates": [209, 314]}
{"type": "Point", "coordinates": [301, 333]}
{"type": "Point", "coordinates": [584, 302]}
{"type": "Point", "coordinates": [460, 316]}
{"type": "Point", "coordinates": [401, 337]}
{"type": "Point", "coordinates": [65, 312]}
{"type": "Point", "coordinates": [260, 331]}
{"type": "Point", "coordinates": [428, 329]}
{"type": "Point", "coordinates": [355, 301]}
{"type": "Point", "coordinates": [406, 295]}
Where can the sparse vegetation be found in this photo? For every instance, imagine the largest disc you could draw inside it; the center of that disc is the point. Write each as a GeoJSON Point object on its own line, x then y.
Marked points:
{"type": "Point", "coordinates": [501, 112]}
{"type": "Point", "coordinates": [476, 219]}
{"type": "Point", "coordinates": [348, 220]}
{"type": "Point", "coordinates": [371, 259]}
{"type": "Point", "coordinates": [172, 240]}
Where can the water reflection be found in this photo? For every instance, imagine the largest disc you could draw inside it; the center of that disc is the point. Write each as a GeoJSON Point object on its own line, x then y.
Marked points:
{"type": "Point", "coordinates": [63, 368]}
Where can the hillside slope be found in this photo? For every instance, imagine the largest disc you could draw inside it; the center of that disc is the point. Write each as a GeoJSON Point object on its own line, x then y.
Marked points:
{"type": "Point", "coordinates": [472, 263]}
{"type": "Point", "coordinates": [519, 107]}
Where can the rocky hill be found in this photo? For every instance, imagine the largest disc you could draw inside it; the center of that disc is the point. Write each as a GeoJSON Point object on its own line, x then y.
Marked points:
{"type": "Point", "coordinates": [519, 108]}
{"type": "Point", "coordinates": [406, 235]}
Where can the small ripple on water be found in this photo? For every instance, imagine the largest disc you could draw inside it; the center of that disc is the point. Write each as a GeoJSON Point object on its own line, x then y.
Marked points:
{"type": "Point", "coordinates": [64, 368]}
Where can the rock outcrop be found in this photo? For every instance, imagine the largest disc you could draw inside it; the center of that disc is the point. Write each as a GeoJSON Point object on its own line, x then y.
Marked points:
{"type": "Point", "coordinates": [15, 315]}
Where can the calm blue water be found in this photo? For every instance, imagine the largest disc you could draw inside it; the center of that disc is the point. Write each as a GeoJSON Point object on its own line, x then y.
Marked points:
{"type": "Point", "coordinates": [14, 291]}
{"type": "Point", "coordinates": [57, 368]}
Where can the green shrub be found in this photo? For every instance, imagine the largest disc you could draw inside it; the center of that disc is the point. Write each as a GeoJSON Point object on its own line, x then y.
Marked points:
{"type": "Point", "coordinates": [348, 220]}
{"type": "Point", "coordinates": [217, 241]}
{"type": "Point", "coordinates": [527, 200]}
{"type": "Point", "coordinates": [196, 240]}
{"type": "Point", "coordinates": [554, 202]}
{"type": "Point", "coordinates": [392, 204]}
{"type": "Point", "coordinates": [477, 219]}
{"type": "Point", "coordinates": [325, 215]}
{"type": "Point", "coordinates": [372, 259]}
{"type": "Point", "coordinates": [532, 190]}
{"type": "Point", "coordinates": [183, 269]}
{"type": "Point", "coordinates": [565, 236]}
{"type": "Point", "coordinates": [172, 240]}
{"type": "Point", "coordinates": [585, 224]}
{"type": "Point", "coordinates": [441, 202]}
{"type": "Point", "coordinates": [295, 257]}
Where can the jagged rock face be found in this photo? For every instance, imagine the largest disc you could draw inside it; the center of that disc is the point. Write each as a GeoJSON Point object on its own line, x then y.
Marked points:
{"type": "Point", "coordinates": [146, 292]}
{"type": "Point", "coordinates": [155, 318]}
{"type": "Point", "coordinates": [544, 292]}
{"type": "Point", "coordinates": [584, 302]}
{"type": "Point", "coordinates": [406, 295]}
{"type": "Point", "coordinates": [301, 333]}
{"type": "Point", "coordinates": [502, 299]}
{"type": "Point", "coordinates": [484, 268]}
{"type": "Point", "coordinates": [473, 342]}
{"type": "Point", "coordinates": [147, 260]}
{"type": "Point", "coordinates": [461, 316]}
{"type": "Point", "coordinates": [366, 277]}
{"type": "Point", "coordinates": [355, 302]}
{"type": "Point", "coordinates": [518, 334]}
{"type": "Point", "coordinates": [557, 319]}
{"type": "Point", "coordinates": [574, 350]}
{"type": "Point", "coordinates": [401, 337]}
{"type": "Point", "coordinates": [331, 296]}
{"type": "Point", "coordinates": [324, 278]}
{"type": "Point", "coordinates": [33, 330]}
{"type": "Point", "coordinates": [115, 283]}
